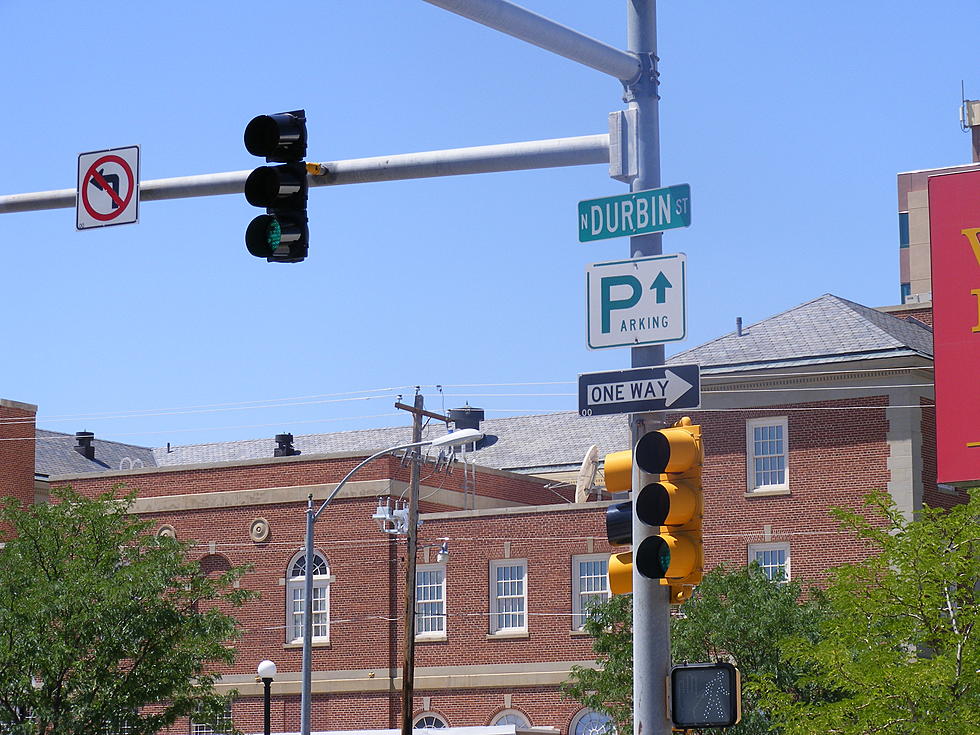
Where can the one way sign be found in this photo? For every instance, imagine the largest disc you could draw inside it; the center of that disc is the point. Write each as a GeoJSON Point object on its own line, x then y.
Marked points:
{"type": "Point", "coordinates": [639, 390]}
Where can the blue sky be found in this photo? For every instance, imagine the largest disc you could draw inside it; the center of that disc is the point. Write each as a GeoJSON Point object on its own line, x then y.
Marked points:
{"type": "Point", "coordinates": [788, 120]}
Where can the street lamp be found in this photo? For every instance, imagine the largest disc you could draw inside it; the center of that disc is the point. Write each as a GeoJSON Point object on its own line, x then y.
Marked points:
{"type": "Point", "coordinates": [452, 439]}
{"type": "Point", "coordinates": [267, 671]}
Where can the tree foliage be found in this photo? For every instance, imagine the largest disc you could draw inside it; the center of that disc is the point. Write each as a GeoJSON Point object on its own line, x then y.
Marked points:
{"type": "Point", "coordinates": [900, 647]}
{"type": "Point", "coordinates": [104, 625]}
{"type": "Point", "coordinates": [741, 616]}
{"type": "Point", "coordinates": [608, 688]}
{"type": "Point", "coordinates": [734, 615]}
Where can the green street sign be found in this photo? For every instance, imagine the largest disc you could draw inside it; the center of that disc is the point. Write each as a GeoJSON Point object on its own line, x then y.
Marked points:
{"type": "Point", "coordinates": [636, 213]}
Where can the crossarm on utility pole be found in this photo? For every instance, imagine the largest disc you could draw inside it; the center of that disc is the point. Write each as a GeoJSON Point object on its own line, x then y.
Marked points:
{"type": "Point", "coordinates": [545, 33]}
{"type": "Point", "coordinates": [551, 153]}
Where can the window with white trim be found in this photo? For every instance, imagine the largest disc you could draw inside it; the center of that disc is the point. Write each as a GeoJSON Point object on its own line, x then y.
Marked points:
{"type": "Point", "coordinates": [430, 601]}
{"type": "Point", "coordinates": [590, 722]}
{"type": "Point", "coordinates": [766, 452]}
{"type": "Point", "coordinates": [224, 724]}
{"type": "Point", "coordinates": [772, 558]}
{"type": "Point", "coordinates": [511, 717]}
{"type": "Point", "coordinates": [296, 598]}
{"type": "Point", "coordinates": [428, 720]}
{"type": "Point", "coordinates": [508, 596]}
{"type": "Point", "coordinates": [590, 584]}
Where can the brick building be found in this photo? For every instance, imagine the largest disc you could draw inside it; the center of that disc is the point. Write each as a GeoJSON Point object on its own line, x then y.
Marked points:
{"type": "Point", "coordinates": [803, 411]}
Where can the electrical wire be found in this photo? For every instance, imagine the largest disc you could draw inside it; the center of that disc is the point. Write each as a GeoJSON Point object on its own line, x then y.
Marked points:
{"type": "Point", "coordinates": [366, 394]}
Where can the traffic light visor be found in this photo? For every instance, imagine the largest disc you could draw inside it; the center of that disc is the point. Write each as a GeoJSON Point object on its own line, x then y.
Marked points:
{"type": "Point", "coordinates": [271, 186]}
{"type": "Point", "coordinates": [665, 503]}
{"type": "Point", "coordinates": [665, 557]}
{"type": "Point", "coordinates": [281, 238]}
{"type": "Point", "coordinates": [279, 137]}
{"type": "Point", "coordinates": [617, 468]}
{"type": "Point", "coordinates": [667, 450]}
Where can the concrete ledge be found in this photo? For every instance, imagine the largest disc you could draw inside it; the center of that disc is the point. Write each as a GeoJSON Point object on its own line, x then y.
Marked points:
{"type": "Point", "coordinates": [428, 678]}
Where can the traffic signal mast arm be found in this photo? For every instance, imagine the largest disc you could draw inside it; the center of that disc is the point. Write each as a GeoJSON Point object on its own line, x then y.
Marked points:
{"type": "Point", "coordinates": [664, 472]}
{"type": "Point", "coordinates": [551, 153]}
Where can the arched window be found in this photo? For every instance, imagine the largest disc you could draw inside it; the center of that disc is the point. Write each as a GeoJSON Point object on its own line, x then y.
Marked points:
{"type": "Point", "coordinates": [590, 722]}
{"type": "Point", "coordinates": [511, 717]}
{"type": "Point", "coordinates": [428, 720]}
{"type": "Point", "coordinates": [296, 598]}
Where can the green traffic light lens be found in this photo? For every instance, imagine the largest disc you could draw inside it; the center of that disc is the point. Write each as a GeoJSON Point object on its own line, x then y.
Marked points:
{"type": "Point", "coordinates": [663, 559]}
{"type": "Point", "coordinates": [273, 234]}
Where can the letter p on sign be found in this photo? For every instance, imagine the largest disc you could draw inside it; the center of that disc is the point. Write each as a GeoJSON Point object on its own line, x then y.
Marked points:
{"type": "Point", "coordinates": [609, 304]}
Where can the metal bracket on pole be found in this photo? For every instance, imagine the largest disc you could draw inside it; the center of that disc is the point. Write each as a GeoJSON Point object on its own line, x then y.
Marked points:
{"type": "Point", "coordinates": [623, 156]}
{"type": "Point", "coordinates": [646, 83]}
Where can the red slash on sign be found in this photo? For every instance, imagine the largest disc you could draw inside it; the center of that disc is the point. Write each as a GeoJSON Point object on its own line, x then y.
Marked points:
{"type": "Point", "coordinates": [110, 184]}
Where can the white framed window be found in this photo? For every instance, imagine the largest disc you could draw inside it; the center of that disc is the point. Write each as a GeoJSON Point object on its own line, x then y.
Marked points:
{"type": "Point", "coordinates": [767, 452]}
{"type": "Point", "coordinates": [590, 584]}
{"type": "Point", "coordinates": [296, 598]}
{"type": "Point", "coordinates": [772, 558]}
{"type": "Point", "coordinates": [511, 717]}
{"type": "Point", "coordinates": [428, 720]}
{"type": "Point", "coordinates": [590, 722]}
{"type": "Point", "coordinates": [508, 596]}
{"type": "Point", "coordinates": [224, 724]}
{"type": "Point", "coordinates": [430, 601]}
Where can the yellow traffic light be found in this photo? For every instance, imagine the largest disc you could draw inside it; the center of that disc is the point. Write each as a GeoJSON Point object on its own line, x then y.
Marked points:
{"type": "Point", "coordinates": [664, 469]}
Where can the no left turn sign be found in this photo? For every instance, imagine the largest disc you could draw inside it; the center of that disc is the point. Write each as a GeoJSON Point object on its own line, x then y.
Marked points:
{"type": "Point", "coordinates": [108, 188]}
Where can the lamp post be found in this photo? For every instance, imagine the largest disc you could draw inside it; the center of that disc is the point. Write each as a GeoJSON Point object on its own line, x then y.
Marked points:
{"type": "Point", "coordinates": [453, 439]}
{"type": "Point", "coordinates": [267, 671]}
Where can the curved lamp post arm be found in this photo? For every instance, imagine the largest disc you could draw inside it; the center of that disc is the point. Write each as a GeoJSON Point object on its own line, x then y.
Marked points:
{"type": "Point", "coordinates": [307, 683]}
{"type": "Point", "coordinates": [350, 474]}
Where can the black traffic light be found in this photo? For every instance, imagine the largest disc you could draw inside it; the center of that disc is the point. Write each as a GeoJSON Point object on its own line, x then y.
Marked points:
{"type": "Point", "coordinates": [705, 695]}
{"type": "Point", "coordinates": [664, 470]}
{"type": "Point", "coordinates": [282, 234]}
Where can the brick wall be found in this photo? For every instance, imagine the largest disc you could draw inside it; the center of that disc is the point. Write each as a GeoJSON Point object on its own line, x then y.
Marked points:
{"type": "Point", "coordinates": [17, 450]}
{"type": "Point", "coordinates": [837, 453]}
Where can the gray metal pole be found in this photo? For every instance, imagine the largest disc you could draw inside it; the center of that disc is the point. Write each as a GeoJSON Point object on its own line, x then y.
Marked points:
{"type": "Point", "coordinates": [412, 544]}
{"type": "Point", "coordinates": [545, 33]}
{"type": "Point", "coordinates": [534, 154]}
{"type": "Point", "coordinates": [651, 600]}
{"type": "Point", "coordinates": [307, 690]}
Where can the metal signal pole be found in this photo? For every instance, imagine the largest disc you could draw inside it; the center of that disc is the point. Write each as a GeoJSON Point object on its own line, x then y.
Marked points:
{"type": "Point", "coordinates": [651, 600]}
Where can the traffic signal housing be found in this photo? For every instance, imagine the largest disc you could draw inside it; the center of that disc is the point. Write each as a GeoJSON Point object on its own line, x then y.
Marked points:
{"type": "Point", "coordinates": [705, 695]}
{"type": "Point", "coordinates": [664, 471]}
{"type": "Point", "coordinates": [281, 235]}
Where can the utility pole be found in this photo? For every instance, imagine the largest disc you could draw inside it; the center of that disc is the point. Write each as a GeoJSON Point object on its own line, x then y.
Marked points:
{"type": "Point", "coordinates": [412, 545]}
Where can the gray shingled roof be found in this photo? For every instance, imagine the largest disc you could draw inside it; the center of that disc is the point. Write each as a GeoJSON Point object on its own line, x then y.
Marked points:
{"type": "Point", "coordinates": [54, 454]}
{"type": "Point", "coordinates": [520, 443]}
{"type": "Point", "coordinates": [826, 329]}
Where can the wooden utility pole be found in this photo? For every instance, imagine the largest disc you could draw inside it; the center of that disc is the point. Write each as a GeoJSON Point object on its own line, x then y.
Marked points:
{"type": "Point", "coordinates": [408, 665]}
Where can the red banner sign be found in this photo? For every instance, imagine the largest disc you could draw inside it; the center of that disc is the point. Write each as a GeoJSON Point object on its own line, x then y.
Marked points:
{"type": "Point", "coordinates": [954, 235]}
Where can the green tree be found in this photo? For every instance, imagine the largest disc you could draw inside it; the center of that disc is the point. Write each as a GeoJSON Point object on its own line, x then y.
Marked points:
{"type": "Point", "coordinates": [103, 624]}
{"type": "Point", "coordinates": [608, 688]}
{"type": "Point", "coordinates": [900, 646]}
{"type": "Point", "coordinates": [742, 616]}
{"type": "Point", "coordinates": [734, 615]}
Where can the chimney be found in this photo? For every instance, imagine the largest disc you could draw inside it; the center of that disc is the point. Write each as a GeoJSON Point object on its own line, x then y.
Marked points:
{"type": "Point", "coordinates": [284, 446]}
{"type": "Point", "coordinates": [84, 445]}
{"type": "Point", "coordinates": [466, 417]}
{"type": "Point", "coordinates": [738, 326]}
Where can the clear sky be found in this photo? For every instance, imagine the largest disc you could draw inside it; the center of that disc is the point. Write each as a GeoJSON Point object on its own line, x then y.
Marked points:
{"type": "Point", "coordinates": [789, 120]}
